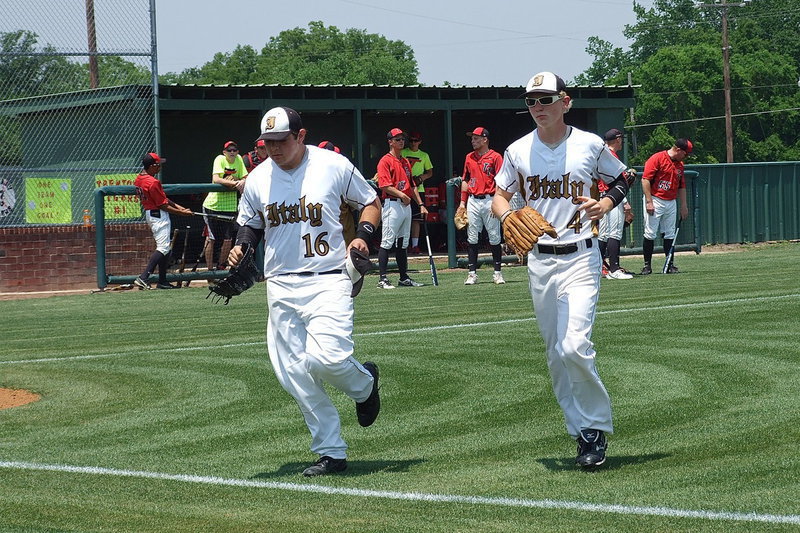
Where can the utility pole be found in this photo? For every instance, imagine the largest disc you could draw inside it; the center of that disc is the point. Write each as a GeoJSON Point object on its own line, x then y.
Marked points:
{"type": "Point", "coordinates": [94, 78]}
{"type": "Point", "coordinates": [726, 71]}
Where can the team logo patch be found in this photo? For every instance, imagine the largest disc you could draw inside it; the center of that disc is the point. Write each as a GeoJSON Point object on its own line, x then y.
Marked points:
{"type": "Point", "coordinates": [537, 80]}
{"type": "Point", "coordinates": [270, 123]}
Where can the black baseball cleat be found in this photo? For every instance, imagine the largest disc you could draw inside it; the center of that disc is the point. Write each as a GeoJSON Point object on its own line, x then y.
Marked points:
{"type": "Point", "coordinates": [672, 269]}
{"type": "Point", "coordinates": [165, 286]}
{"type": "Point", "coordinates": [591, 448]}
{"type": "Point", "coordinates": [647, 270]}
{"type": "Point", "coordinates": [367, 411]}
{"type": "Point", "coordinates": [142, 284]}
{"type": "Point", "coordinates": [326, 465]}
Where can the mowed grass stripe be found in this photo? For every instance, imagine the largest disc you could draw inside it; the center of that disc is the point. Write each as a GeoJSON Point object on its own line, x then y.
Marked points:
{"type": "Point", "coordinates": [414, 496]}
{"type": "Point", "coordinates": [423, 329]}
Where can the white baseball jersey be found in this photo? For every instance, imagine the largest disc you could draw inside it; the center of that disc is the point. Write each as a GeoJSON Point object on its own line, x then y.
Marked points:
{"type": "Point", "coordinates": [299, 210]}
{"type": "Point", "coordinates": [550, 180]}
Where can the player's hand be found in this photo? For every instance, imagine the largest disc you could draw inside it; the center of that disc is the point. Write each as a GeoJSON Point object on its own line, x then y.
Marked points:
{"type": "Point", "coordinates": [406, 199]}
{"type": "Point", "coordinates": [684, 212]}
{"type": "Point", "coordinates": [650, 208]}
{"type": "Point", "coordinates": [359, 244]}
{"type": "Point", "coordinates": [594, 209]}
{"type": "Point", "coordinates": [235, 256]}
{"type": "Point", "coordinates": [423, 210]}
{"type": "Point", "coordinates": [240, 185]}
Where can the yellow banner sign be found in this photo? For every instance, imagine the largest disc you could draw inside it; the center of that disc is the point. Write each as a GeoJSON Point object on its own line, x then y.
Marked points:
{"type": "Point", "coordinates": [48, 201]}
{"type": "Point", "coordinates": [121, 206]}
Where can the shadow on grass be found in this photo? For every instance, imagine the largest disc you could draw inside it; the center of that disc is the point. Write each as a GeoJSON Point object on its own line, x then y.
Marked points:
{"type": "Point", "coordinates": [354, 468]}
{"type": "Point", "coordinates": [556, 464]}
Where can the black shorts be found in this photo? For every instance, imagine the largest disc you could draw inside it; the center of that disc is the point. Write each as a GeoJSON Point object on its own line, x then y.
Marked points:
{"type": "Point", "coordinates": [219, 230]}
{"type": "Point", "coordinates": [415, 212]}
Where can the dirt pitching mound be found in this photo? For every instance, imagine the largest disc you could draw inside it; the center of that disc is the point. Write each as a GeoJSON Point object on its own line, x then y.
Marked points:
{"type": "Point", "coordinates": [15, 397]}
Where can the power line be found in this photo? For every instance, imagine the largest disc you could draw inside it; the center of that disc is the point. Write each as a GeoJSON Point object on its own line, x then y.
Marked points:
{"type": "Point", "coordinates": [700, 119]}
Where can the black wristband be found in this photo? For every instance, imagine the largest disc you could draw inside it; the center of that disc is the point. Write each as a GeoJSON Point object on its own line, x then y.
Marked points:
{"type": "Point", "coordinates": [617, 190]}
{"type": "Point", "coordinates": [249, 236]}
{"type": "Point", "coordinates": [365, 231]}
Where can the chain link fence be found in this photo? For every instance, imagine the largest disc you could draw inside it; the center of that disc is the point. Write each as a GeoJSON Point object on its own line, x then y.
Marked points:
{"type": "Point", "coordinates": [77, 107]}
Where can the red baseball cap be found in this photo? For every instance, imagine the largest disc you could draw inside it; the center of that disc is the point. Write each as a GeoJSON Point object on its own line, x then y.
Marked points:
{"type": "Point", "coordinates": [394, 132]}
{"type": "Point", "coordinates": [261, 143]}
{"type": "Point", "coordinates": [229, 143]}
{"type": "Point", "coordinates": [152, 159]}
{"type": "Point", "coordinates": [415, 135]}
{"type": "Point", "coordinates": [483, 132]}
{"type": "Point", "coordinates": [329, 146]}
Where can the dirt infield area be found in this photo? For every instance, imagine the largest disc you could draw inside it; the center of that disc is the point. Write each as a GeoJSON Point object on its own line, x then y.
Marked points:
{"type": "Point", "coordinates": [15, 397]}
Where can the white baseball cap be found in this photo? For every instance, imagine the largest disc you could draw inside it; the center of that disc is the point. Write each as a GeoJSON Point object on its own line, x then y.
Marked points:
{"type": "Point", "coordinates": [545, 83]}
{"type": "Point", "coordinates": [278, 123]}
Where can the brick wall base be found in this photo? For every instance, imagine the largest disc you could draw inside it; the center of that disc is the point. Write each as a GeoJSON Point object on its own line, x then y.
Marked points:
{"type": "Point", "coordinates": [63, 257]}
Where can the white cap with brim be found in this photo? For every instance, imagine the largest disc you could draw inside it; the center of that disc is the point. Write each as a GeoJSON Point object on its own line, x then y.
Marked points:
{"type": "Point", "coordinates": [278, 123]}
{"type": "Point", "coordinates": [545, 83]}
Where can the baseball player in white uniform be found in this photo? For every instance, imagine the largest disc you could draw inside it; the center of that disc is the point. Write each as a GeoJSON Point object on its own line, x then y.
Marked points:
{"type": "Point", "coordinates": [556, 168]}
{"type": "Point", "coordinates": [293, 202]}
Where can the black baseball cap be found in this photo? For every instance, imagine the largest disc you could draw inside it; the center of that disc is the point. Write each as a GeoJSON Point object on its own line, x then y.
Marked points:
{"type": "Point", "coordinates": [612, 134]}
{"type": "Point", "coordinates": [684, 144]}
{"type": "Point", "coordinates": [152, 159]}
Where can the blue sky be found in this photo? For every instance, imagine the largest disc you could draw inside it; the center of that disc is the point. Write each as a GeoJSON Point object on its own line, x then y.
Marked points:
{"type": "Point", "coordinates": [466, 42]}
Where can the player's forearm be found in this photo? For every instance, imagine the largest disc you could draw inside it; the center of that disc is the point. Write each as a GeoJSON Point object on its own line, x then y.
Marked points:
{"type": "Point", "coordinates": [501, 203]}
{"type": "Point", "coordinates": [648, 195]}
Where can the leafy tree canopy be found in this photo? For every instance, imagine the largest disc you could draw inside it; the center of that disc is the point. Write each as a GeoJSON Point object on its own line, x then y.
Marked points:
{"type": "Point", "coordinates": [675, 56]}
{"type": "Point", "coordinates": [317, 55]}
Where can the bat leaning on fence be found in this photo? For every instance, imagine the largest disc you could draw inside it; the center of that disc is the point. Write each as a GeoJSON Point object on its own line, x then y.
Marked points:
{"type": "Point", "coordinates": [199, 258]}
{"type": "Point", "coordinates": [182, 266]}
{"type": "Point", "coordinates": [434, 276]}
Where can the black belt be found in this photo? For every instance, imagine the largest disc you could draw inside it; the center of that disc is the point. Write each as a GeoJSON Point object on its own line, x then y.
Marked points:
{"type": "Point", "coordinates": [482, 196]}
{"type": "Point", "coordinates": [308, 273]}
{"type": "Point", "coordinates": [393, 199]}
{"type": "Point", "coordinates": [561, 249]}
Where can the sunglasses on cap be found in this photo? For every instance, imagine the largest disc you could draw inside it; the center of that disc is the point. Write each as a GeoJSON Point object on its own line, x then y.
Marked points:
{"type": "Point", "coordinates": [544, 100]}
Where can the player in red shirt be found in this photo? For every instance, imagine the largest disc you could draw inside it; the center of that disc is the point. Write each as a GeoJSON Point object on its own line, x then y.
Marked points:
{"type": "Point", "coordinates": [256, 156]}
{"type": "Point", "coordinates": [157, 208]}
{"type": "Point", "coordinates": [477, 186]}
{"type": "Point", "coordinates": [662, 183]}
{"type": "Point", "coordinates": [398, 191]}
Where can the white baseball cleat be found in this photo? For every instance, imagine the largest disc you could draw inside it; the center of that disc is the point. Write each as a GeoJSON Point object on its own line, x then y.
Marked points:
{"type": "Point", "coordinates": [619, 274]}
{"type": "Point", "coordinates": [385, 284]}
{"type": "Point", "coordinates": [472, 278]}
{"type": "Point", "coordinates": [497, 278]}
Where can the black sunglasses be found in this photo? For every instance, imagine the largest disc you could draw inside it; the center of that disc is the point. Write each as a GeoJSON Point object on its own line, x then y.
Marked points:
{"type": "Point", "coordinates": [544, 100]}
{"type": "Point", "coordinates": [231, 149]}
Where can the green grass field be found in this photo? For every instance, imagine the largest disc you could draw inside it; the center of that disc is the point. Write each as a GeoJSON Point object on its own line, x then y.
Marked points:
{"type": "Point", "coordinates": [160, 412]}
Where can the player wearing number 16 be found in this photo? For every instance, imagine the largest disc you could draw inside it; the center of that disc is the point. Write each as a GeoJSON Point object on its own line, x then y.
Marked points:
{"type": "Point", "coordinates": [293, 201]}
{"type": "Point", "coordinates": [555, 169]}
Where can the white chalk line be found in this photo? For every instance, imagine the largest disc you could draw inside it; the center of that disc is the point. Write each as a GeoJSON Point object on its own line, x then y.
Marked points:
{"type": "Point", "coordinates": [413, 496]}
{"type": "Point", "coordinates": [400, 331]}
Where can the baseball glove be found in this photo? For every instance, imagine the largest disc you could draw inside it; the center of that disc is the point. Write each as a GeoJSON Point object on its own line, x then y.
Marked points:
{"type": "Point", "coordinates": [241, 277]}
{"type": "Point", "coordinates": [522, 229]}
{"type": "Point", "coordinates": [629, 216]}
{"type": "Point", "coordinates": [460, 218]}
{"type": "Point", "coordinates": [358, 264]}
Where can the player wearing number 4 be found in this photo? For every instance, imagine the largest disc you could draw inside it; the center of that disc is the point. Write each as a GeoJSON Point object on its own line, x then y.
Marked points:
{"type": "Point", "coordinates": [554, 168]}
{"type": "Point", "coordinates": [477, 190]}
{"type": "Point", "coordinates": [293, 201]}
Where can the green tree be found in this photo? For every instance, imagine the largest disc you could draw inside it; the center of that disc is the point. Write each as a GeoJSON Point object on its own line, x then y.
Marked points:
{"type": "Point", "coordinates": [318, 55]}
{"type": "Point", "coordinates": [675, 56]}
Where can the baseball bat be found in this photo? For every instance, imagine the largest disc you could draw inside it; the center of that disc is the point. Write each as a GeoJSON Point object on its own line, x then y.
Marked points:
{"type": "Point", "coordinates": [199, 258]}
{"type": "Point", "coordinates": [434, 277]}
{"type": "Point", "coordinates": [226, 218]}
{"type": "Point", "coordinates": [183, 255]}
{"type": "Point", "coordinates": [671, 253]}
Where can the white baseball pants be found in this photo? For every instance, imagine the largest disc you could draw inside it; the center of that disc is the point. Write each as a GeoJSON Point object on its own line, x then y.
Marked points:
{"type": "Point", "coordinates": [395, 222]}
{"type": "Point", "coordinates": [612, 225]}
{"type": "Point", "coordinates": [479, 214]}
{"type": "Point", "coordinates": [161, 228]}
{"type": "Point", "coordinates": [310, 342]}
{"type": "Point", "coordinates": [662, 221]}
{"type": "Point", "coordinates": [564, 289]}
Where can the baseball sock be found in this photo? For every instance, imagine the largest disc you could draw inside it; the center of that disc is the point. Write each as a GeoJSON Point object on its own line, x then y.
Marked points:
{"type": "Point", "coordinates": [613, 254]}
{"type": "Point", "coordinates": [151, 265]}
{"type": "Point", "coordinates": [162, 269]}
{"type": "Point", "coordinates": [472, 257]}
{"type": "Point", "coordinates": [497, 257]}
{"type": "Point", "coordinates": [668, 246]}
{"type": "Point", "coordinates": [647, 250]}
{"type": "Point", "coordinates": [383, 261]}
{"type": "Point", "coordinates": [603, 245]}
{"type": "Point", "coordinates": [402, 262]}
